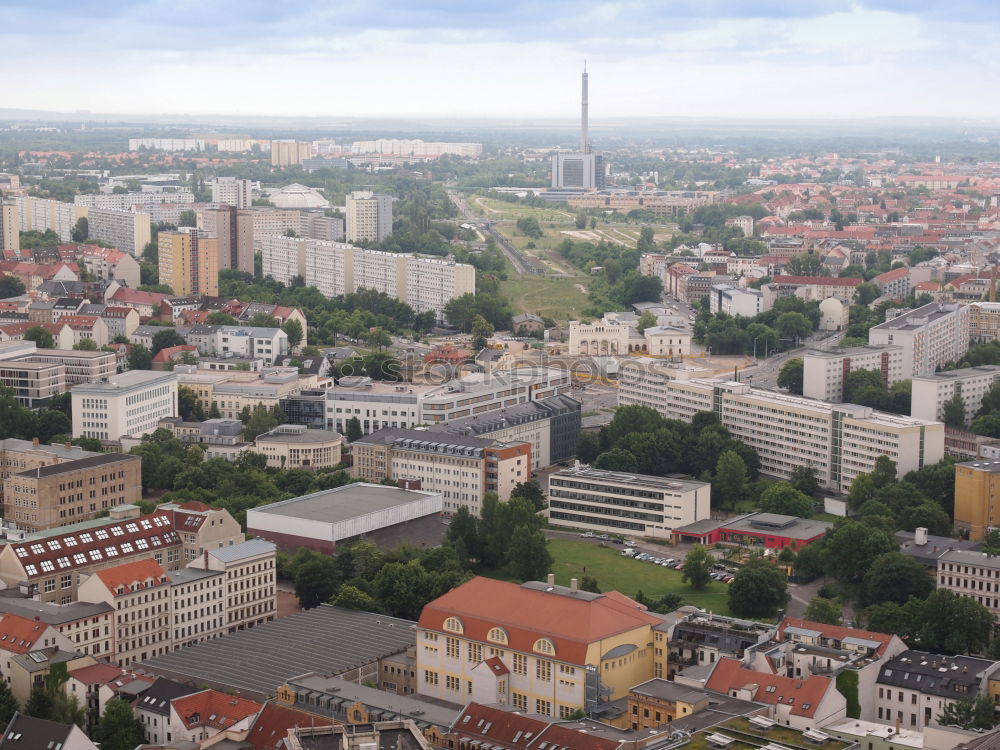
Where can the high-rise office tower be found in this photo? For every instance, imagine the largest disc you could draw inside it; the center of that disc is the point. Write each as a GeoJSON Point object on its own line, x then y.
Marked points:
{"type": "Point", "coordinates": [232, 191]}
{"type": "Point", "coordinates": [583, 170]}
{"type": "Point", "coordinates": [369, 216]}
{"type": "Point", "coordinates": [233, 230]}
{"type": "Point", "coordinates": [189, 262]}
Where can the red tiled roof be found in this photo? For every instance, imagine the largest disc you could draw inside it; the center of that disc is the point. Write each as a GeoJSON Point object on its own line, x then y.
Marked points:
{"type": "Point", "coordinates": [97, 674]}
{"type": "Point", "coordinates": [896, 273]}
{"type": "Point", "coordinates": [729, 674]}
{"type": "Point", "coordinates": [19, 634]}
{"type": "Point", "coordinates": [818, 280]}
{"type": "Point", "coordinates": [273, 722]}
{"type": "Point", "coordinates": [210, 708]}
{"type": "Point", "coordinates": [529, 614]}
{"type": "Point", "coordinates": [133, 576]}
{"type": "Point", "coordinates": [136, 297]}
{"type": "Point", "coordinates": [496, 727]}
{"type": "Point", "coordinates": [167, 355]}
{"type": "Point", "coordinates": [79, 322]}
{"type": "Point", "coordinates": [496, 666]}
{"type": "Point", "coordinates": [836, 632]}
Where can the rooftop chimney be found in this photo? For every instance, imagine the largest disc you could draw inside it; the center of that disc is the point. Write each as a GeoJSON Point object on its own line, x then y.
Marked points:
{"type": "Point", "coordinates": [551, 579]}
{"type": "Point", "coordinates": [584, 116]}
{"type": "Point", "coordinates": [34, 441]}
{"type": "Point", "coordinates": [573, 585]}
{"type": "Point", "coordinates": [920, 536]}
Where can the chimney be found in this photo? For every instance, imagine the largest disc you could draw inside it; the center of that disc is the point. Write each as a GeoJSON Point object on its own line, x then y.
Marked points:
{"type": "Point", "coordinates": [34, 441]}
{"type": "Point", "coordinates": [68, 446]}
{"type": "Point", "coordinates": [551, 579]}
{"type": "Point", "coordinates": [920, 536]}
{"type": "Point", "coordinates": [206, 559]}
{"type": "Point", "coordinates": [573, 585]}
{"type": "Point", "coordinates": [584, 115]}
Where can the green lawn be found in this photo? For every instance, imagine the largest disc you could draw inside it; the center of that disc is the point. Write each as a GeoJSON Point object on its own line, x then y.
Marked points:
{"type": "Point", "coordinates": [559, 299]}
{"type": "Point", "coordinates": [574, 559]}
{"type": "Point", "coordinates": [501, 210]}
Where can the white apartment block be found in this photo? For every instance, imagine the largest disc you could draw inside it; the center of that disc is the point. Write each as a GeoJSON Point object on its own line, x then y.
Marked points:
{"type": "Point", "coordinates": [10, 226]}
{"type": "Point", "coordinates": [375, 404]}
{"type": "Point", "coordinates": [369, 216]}
{"type": "Point", "coordinates": [931, 336]}
{"type": "Point", "coordinates": [232, 191]}
{"type": "Point", "coordinates": [39, 214]}
{"type": "Point", "coordinates": [745, 303]}
{"type": "Point", "coordinates": [932, 392]}
{"type": "Point", "coordinates": [129, 404]}
{"type": "Point", "coordinates": [824, 372]}
{"type": "Point", "coordinates": [197, 605]}
{"type": "Point", "coordinates": [249, 570]}
{"type": "Point", "coordinates": [840, 441]}
{"type": "Point", "coordinates": [336, 268]}
{"type": "Point", "coordinates": [125, 230]}
{"type": "Point", "coordinates": [166, 144]}
{"type": "Point", "coordinates": [416, 147]}
{"type": "Point", "coordinates": [634, 504]}
{"type": "Point", "coordinates": [127, 201]}
{"type": "Point", "coordinates": [238, 341]}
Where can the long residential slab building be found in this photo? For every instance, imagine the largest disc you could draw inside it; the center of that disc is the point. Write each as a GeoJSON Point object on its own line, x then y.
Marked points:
{"type": "Point", "coordinates": [335, 268]}
{"type": "Point", "coordinates": [839, 441]}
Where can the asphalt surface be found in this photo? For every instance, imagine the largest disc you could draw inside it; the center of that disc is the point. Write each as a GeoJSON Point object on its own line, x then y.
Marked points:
{"type": "Point", "coordinates": [765, 373]}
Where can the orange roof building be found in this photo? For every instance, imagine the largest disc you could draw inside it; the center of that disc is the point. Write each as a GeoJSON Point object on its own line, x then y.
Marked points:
{"type": "Point", "coordinates": [548, 638]}
{"type": "Point", "coordinates": [198, 716]}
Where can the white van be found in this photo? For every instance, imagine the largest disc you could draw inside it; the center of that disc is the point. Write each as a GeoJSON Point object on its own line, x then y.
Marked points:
{"type": "Point", "coordinates": [628, 552]}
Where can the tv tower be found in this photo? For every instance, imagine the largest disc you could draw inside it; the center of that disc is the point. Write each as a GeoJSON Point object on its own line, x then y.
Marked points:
{"type": "Point", "coordinates": [584, 126]}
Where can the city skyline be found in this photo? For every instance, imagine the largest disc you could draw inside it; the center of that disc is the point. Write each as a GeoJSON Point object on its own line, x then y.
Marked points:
{"type": "Point", "coordinates": [769, 58]}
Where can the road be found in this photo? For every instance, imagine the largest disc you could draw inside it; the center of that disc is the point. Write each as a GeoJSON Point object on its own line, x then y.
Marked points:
{"type": "Point", "coordinates": [765, 373]}
{"type": "Point", "coordinates": [520, 263]}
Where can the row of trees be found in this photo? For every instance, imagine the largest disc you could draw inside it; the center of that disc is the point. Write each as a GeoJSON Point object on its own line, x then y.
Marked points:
{"type": "Point", "coordinates": [790, 320]}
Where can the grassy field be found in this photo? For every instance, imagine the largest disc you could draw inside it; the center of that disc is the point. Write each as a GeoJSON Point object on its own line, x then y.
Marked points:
{"type": "Point", "coordinates": [559, 299]}
{"type": "Point", "coordinates": [574, 559]}
{"type": "Point", "coordinates": [503, 211]}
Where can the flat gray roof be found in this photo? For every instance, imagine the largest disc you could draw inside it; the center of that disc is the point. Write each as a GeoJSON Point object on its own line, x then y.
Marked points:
{"type": "Point", "coordinates": [326, 640]}
{"type": "Point", "coordinates": [50, 613]}
{"type": "Point", "coordinates": [125, 380]}
{"type": "Point", "coordinates": [102, 459]}
{"type": "Point", "coordinates": [982, 465]}
{"type": "Point", "coordinates": [342, 503]}
{"type": "Point", "coordinates": [187, 575]}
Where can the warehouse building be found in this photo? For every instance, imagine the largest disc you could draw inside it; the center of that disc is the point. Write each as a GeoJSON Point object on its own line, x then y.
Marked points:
{"type": "Point", "coordinates": [320, 520]}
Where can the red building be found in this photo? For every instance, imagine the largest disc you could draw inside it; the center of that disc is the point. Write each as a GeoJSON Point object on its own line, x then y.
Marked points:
{"type": "Point", "coordinates": [768, 530]}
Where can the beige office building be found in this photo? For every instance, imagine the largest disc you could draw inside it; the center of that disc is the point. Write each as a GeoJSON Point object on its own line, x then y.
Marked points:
{"type": "Point", "coordinates": [55, 495]}
{"type": "Point", "coordinates": [10, 226]}
{"type": "Point", "coordinates": [369, 216]}
{"type": "Point", "coordinates": [189, 263]}
{"type": "Point", "coordinates": [232, 229]}
{"type": "Point", "coordinates": [285, 153]}
{"type": "Point", "coordinates": [292, 446]}
{"type": "Point", "coordinates": [129, 404]}
{"type": "Point", "coordinates": [34, 383]}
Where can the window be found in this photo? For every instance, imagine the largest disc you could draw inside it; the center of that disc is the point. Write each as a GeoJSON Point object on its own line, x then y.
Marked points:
{"type": "Point", "coordinates": [545, 646]}
{"type": "Point", "coordinates": [430, 677]}
{"type": "Point", "coordinates": [519, 700]}
{"type": "Point", "coordinates": [451, 648]}
{"type": "Point", "coordinates": [451, 683]}
{"type": "Point", "coordinates": [453, 625]}
{"type": "Point", "coordinates": [543, 707]}
{"type": "Point", "coordinates": [66, 582]}
{"type": "Point", "coordinates": [520, 664]}
{"type": "Point", "coordinates": [475, 652]}
{"type": "Point", "coordinates": [543, 670]}
{"type": "Point", "coordinates": [497, 635]}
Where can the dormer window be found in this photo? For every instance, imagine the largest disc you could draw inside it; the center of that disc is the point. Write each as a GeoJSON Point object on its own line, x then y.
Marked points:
{"type": "Point", "coordinates": [497, 635]}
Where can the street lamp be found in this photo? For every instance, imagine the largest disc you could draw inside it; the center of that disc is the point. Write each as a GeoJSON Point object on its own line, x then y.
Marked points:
{"type": "Point", "coordinates": [755, 345]}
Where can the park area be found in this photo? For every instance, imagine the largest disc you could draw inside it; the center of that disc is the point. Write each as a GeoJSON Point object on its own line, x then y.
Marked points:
{"type": "Point", "coordinates": [574, 559]}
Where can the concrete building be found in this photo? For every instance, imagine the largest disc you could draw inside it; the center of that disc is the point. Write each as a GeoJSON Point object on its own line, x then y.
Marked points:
{"type": "Point", "coordinates": [249, 568]}
{"type": "Point", "coordinates": [578, 171]}
{"type": "Point", "coordinates": [621, 503]}
{"type": "Point", "coordinates": [126, 230]}
{"type": "Point", "coordinates": [109, 263]}
{"type": "Point", "coordinates": [10, 226]}
{"type": "Point", "coordinates": [232, 191]}
{"type": "Point", "coordinates": [47, 497]}
{"type": "Point", "coordinates": [293, 446]}
{"type": "Point", "coordinates": [166, 144]}
{"type": "Point", "coordinates": [702, 638]}
{"type": "Point", "coordinates": [539, 648]}
{"type": "Point", "coordinates": [286, 153]}
{"type": "Point", "coordinates": [369, 216]}
{"type": "Point", "coordinates": [140, 593]}
{"type": "Point", "coordinates": [79, 366]}
{"type": "Point", "coordinates": [86, 626]}
{"type": "Point", "coordinates": [462, 469]}
{"type": "Point", "coordinates": [973, 574]}
{"type": "Point", "coordinates": [839, 440]}
{"type": "Point", "coordinates": [232, 229]}
{"type": "Point", "coordinates": [189, 262]}
{"type": "Point", "coordinates": [39, 214]}
{"type": "Point", "coordinates": [931, 336]}
{"type": "Point", "coordinates": [932, 392]}
{"type": "Point", "coordinates": [323, 519]}
{"type": "Point", "coordinates": [894, 284]}
{"type": "Point", "coordinates": [811, 288]}
{"type": "Point", "coordinates": [976, 485]}
{"type": "Point", "coordinates": [131, 404]}
{"type": "Point", "coordinates": [824, 372]}
{"type": "Point", "coordinates": [745, 303]}
{"type": "Point", "coordinates": [916, 704]}
{"type": "Point", "coordinates": [34, 384]}
{"type": "Point", "coordinates": [197, 605]}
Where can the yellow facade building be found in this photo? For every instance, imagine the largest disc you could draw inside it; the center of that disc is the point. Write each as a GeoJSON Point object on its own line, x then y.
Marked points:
{"type": "Point", "coordinates": [189, 263]}
{"type": "Point", "coordinates": [977, 484]}
{"type": "Point", "coordinates": [536, 647]}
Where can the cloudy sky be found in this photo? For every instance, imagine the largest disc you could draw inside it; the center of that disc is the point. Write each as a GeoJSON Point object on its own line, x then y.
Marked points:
{"type": "Point", "coordinates": [490, 58]}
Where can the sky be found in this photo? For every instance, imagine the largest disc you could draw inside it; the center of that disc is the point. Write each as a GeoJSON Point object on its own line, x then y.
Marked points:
{"type": "Point", "coordinates": [504, 58]}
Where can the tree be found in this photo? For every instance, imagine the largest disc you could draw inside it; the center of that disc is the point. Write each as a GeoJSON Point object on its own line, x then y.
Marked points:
{"type": "Point", "coordinates": [581, 220]}
{"type": "Point", "coordinates": [86, 345]}
{"type": "Point", "coordinates": [263, 320]}
{"type": "Point", "coordinates": [805, 480]}
{"type": "Point", "coordinates": [977, 713]}
{"type": "Point", "coordinates": [866, 293]}
{"type": "Point", "coordinates": [219, 318]}
{"type": "Point", "coordinates": [187, 400]}
{"type": "Point", "coordinates": [42, 338]}
{"type": "Point", "coordinates": [293, 329]}
{"type": "Point", "coordinates": [188, 218]}
{"type": "Point", "coordinates": [730, 481]}
{"type": "Point", "coordinates": [759, 590]}
{"type": "Point", "coordinates": [80, 231]}
{"type": "Point", "coordinates": [401, 589]}
{"type": "Point", "coordinates": [482, 330]}
{"type": "Point", "coordinates": [853, 547]}
{"type": "Point", "coordinates": [954, 624]}
{"type": "Point", "coordinates": [895, 577]}
{"type": "Point", "coordinates": [11, 286]}
{"type": "Point", "coordinates": [530, 491]}
{"type": "Point", "coordinates": [646, 320]}
{"type": "Point", "coordinates": [40, 703]}
{"type": "Point", "coordinates": [119, 729]}
{"type": "Point", "coordinates": [809, 562]}
{"type": "Point", "coordinates": [351, 597]}
{"type": "Point", "coordinates": [8, 703]}
{"type": "Point", "coordinates": [530, 559]}
{"type": "Point", "coordinates": [828, 611]}
{"type": "Point", "coordinates": [793, 325]}
{"type": "Point", "coordinates": [165, 339]}
{"type": "Point", "coordinates": [139, 358]}
{"type": "Point", "coordinates": [697, 568]}
{"type": "Point", "coordinates": [589, 583]}
{"type": "Point", "coordinates": [588, 447]}
{"type": "Point", "coordinates": [785, 500]}
{"type": "Point", "coordinates": [316, 582]}
{"type": "Point", "coordinates": [791, 376]}
{"type": "Point", "coordinates": [616, 459]}
{"type": "Point", "coordinates": [262, 420]}
{"type": "Point", "coordinates": [354, 429]}
{"type": "Point", "coordinates": [378, 339]}
{"type": "Point", "coordinates": [806, 264]}
{"type": "Point", "coordinates": [954, 412]}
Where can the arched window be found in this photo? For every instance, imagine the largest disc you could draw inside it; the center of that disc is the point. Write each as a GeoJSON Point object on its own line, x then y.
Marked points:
{"type": "Point", "coordinates": [497, 635]}
{"type": "Point", "coordinates": [453, 625]}
{"type": "Point", "coordinates": [545, 646]}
